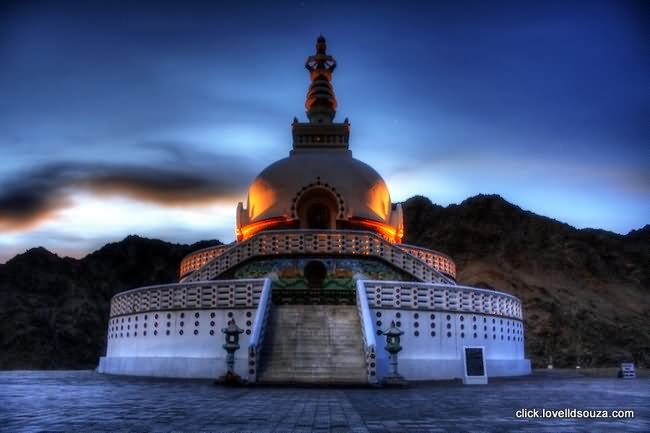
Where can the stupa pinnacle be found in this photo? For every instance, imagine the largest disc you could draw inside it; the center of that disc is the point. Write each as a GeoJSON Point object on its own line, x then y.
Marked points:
{"type": "Point", "coordinates": [321, 101]}
{"type": "Point", "coordinates": [320, 132]}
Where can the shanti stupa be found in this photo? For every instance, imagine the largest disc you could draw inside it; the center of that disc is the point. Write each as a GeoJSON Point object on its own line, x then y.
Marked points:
{"type": "Point", "coordinates": [317, 272]}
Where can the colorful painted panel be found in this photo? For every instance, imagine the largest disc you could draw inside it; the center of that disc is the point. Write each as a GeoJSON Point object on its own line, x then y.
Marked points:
{"type": "Point", "coordinates": [288, 272]}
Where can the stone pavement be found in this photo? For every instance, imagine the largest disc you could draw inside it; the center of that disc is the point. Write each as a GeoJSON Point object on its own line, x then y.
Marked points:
{"type": "Point", "coordinates": [83, 401]}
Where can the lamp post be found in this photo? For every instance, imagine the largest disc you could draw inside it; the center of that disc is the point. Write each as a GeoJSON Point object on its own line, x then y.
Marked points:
{"type": "Point", "coordinates": [231, 335]}
{"type": "Point", "coordinates": [393, 347]}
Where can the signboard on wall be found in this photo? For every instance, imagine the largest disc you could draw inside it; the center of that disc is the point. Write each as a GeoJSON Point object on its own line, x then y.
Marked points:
{"type": "Point", "coordinates": [474, 362]}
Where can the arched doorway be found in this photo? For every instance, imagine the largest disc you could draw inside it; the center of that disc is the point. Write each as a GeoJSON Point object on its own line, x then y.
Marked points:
{"type": "Point", "coordinates": [318, 216]}
{"type": "Point", "coordinates": [317, 209]}
{"type": "Point", "coordinates": [315, 273]}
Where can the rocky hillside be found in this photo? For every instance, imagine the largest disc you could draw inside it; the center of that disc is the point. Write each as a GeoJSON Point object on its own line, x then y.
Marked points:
{"type": "Point", "coordinates": [586, 293]}
{"type": "Point", "coordinates": [55, 310]}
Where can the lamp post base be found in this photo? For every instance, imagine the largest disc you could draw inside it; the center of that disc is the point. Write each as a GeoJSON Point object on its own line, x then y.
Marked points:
{"type": "Point", "coordinates": [230, 379]}
{"type": "Point", "coordinates": [394, 380]}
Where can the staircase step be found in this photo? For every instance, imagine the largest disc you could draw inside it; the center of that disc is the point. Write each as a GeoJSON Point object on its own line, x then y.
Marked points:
{"type": "Point", "coordinates": [342, 360]}
{"type": "Point", "coordinates": [301, 371]}
{"type": "Point", "coordinates": [313, 344]}
{"type": "Point", "coordinates": [292, 368]}
{"type": "Point", "coordinates": [312, 380]}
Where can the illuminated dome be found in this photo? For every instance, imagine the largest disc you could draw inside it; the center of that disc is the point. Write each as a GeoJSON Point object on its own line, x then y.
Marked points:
{"type": "Point", "coordinates": [325, 189]}
{"type": "Point", "coordinates": [319, 186]}
{"type": "Point", "coordinates": [355, 188]}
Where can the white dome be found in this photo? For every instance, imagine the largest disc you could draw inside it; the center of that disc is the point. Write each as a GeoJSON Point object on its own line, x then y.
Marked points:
{"type": "Point", "coordinates": [359, 189]}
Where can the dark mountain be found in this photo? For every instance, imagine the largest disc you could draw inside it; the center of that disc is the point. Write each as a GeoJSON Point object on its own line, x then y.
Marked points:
{"type": "Point", "coordinates": [55, 310]}
{"type": "Point", "coordinates": [585, 292]}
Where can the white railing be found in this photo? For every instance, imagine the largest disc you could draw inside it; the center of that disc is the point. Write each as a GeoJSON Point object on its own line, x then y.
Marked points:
{"type": "Point", "coordinates": [330, 242]}
{"type": "Point", "coordinates": [196, 259]}
{"type": "Point", "coordinates": [243, 293]}
{"type": "Point", "coordinates": [367, 332]}
{"type": "Point", "coordinates": [440, 297]}
{"type": "Point", "coordinates": [259, 329]}
{"type": "Point", "coordinates": [435, 259]}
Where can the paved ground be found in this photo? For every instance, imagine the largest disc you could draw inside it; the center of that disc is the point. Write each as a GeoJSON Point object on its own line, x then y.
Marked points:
{"type": "Point", "coordinates": [86, 401]}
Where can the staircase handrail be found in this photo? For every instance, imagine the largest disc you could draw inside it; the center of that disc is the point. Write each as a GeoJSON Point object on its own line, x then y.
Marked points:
{"type": "Point", "coordinates": [367, 331]}
{"type": "Point", "coordinates": [259, 326]}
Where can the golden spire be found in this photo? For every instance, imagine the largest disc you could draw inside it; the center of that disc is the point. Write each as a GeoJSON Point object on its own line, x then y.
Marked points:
{"type": "Point", "coordinates": [321, 101]}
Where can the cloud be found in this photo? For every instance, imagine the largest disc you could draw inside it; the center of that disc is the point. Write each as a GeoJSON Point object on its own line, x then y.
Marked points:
{"type": "Point", "coordinates": [32, 197]}
{"type": "Point", "coordinates": [557, 173]}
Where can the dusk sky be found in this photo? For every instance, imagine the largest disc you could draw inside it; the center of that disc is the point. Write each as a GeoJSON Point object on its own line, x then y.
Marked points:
{"type": "Point", "coordinates": [152, 118]}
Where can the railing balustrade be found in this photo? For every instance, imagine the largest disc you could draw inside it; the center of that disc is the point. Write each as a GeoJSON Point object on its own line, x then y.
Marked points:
{"type": "Point", "coordinates": [440, 297]}
{"type": "Point", "coordinates": [196, 259]}
{"type": "Point", "coordinates": [243, 293]}
{"type": "Point", "coordinates": [434, 259]}
{"type": "Point", "coordinates": [336, 242]}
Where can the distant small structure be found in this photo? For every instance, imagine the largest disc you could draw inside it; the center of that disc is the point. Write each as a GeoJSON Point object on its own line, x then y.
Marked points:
{"type": "Point", "coordinates": [627, 371]}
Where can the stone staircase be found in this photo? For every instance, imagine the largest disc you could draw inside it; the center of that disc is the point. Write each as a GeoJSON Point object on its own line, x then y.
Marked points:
{"type": "Point", "coordinates": [319, 344]}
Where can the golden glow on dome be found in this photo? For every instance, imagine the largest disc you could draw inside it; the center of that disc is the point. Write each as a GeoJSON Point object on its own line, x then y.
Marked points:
{"type": "Point", "coordinates": [379, 199]}
{"type": "Point", "coordinates": [261, 196]}
{"type": "Point", "coordinates": [250, 229]}
{"type": "Point", "coordinates": [387, 231]}
{"type": "Point", "coordinates": [350, 189]}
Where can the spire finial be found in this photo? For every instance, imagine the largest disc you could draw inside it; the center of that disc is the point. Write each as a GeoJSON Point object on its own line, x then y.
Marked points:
{"type": "Point", "coordinates": [321, 44]}
{"type": "Point", "coordinates": [321, 102]}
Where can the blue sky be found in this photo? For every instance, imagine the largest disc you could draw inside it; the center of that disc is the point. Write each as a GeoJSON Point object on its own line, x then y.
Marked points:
{"type": "Point", "coordinates": [153, 117]}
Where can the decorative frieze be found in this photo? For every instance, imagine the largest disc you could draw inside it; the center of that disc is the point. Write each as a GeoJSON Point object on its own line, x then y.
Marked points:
{"type": "Point", "coordinates": [181, 296]}
{"type": "Point", "coordinates": [441, 297]}
{"type": "Point", "coordinates": [435, 259]}
{"type": "Point", "coordinates": [196, 259]}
